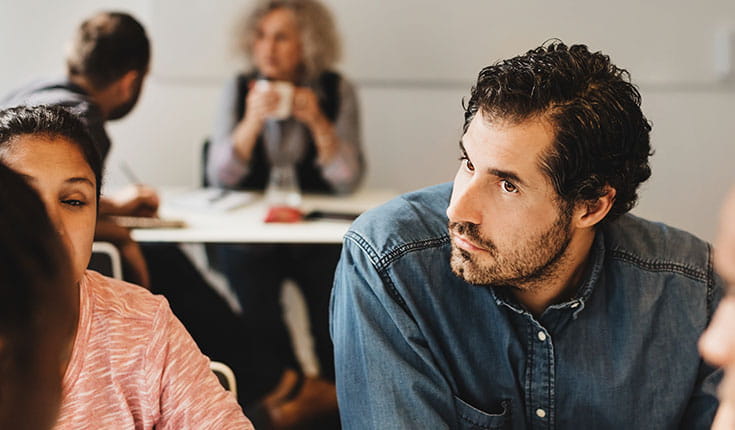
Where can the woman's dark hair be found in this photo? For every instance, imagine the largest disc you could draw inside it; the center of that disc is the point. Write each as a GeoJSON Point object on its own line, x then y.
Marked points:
{"type": "Point", "coordinates": [602, 137]}
{"type": "Point", "coordinates": [106, 46]}
{"type": "Point", "coordinates": [33, 268]}
{"type": "Point", "coordinates": [51, 121]}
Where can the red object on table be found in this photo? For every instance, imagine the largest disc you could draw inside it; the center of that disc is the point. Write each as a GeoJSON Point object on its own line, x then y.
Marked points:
{"type": "Point", "coordinates": [283, 214]}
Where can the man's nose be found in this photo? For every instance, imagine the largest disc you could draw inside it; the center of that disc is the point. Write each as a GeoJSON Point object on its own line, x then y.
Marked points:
{"type": "Point", "coordinates": [465, 205]}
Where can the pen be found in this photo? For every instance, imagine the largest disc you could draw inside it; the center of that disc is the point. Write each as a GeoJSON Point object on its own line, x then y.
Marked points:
{"type": "Point", "coordinates": [129, 173]}
{"type": "Point", "coordinates": [221, 193]}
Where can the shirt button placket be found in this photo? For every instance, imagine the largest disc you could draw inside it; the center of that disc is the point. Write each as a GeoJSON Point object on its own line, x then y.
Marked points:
{"type": "Point", "coordinates": [543, 376]}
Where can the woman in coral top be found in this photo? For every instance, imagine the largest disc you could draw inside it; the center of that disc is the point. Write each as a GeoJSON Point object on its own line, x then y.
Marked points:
{"type": "Point", "coordinates": [130, 363]}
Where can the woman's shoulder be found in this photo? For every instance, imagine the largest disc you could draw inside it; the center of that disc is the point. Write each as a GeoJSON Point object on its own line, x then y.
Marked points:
{"type": "Point", "coordinates": [121, 301]}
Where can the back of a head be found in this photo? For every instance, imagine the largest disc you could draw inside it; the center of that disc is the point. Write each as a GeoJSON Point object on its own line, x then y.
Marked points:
{"type": "Point", "coordinates": [602, 136]}
{"type": "Point", "coordinates": [36, 307]}
{"type": "Point", "coordinates": [106, 46]}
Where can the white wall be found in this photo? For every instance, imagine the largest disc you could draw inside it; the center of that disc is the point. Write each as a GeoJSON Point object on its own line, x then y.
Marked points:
{"type": "Point", "coordinates": [413, 61]}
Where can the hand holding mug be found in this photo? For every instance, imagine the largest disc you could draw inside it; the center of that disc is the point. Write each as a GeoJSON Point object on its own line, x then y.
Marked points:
{"type": "Point", "coordinates": [306, 109]}
{"type": "Point", "coordinates": [261, 102]}
{"type": "Point", "coordinates": [276, 98]}
{"type": "Point", "coordinates": [306, 106]}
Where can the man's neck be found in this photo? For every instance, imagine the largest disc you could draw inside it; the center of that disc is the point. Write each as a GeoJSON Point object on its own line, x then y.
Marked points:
{"type": "Point", "coordinates": [563, 283]}
{"type": "Point", "coordinates": [101, 98]}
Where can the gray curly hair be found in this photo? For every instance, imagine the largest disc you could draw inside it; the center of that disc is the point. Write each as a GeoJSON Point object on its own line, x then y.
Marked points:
{"type": "Point", "coordinates": [319, 40]}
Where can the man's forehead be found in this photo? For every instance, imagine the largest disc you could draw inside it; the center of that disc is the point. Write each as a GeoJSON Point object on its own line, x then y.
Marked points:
{"type": "Point", "coordinates": [531, 136]}
{"type": "Point", "coordinates": [510, 149]}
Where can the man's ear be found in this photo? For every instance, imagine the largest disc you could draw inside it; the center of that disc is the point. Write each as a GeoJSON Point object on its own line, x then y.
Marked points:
{"type": "Point", "coordinates": [588, 214]}
{"type": "Point", "coordinates": [126, 84]}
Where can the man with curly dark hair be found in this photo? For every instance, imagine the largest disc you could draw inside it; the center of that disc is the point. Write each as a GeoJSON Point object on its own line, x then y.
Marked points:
{"type": "Point", "coordinates": [524, 295]}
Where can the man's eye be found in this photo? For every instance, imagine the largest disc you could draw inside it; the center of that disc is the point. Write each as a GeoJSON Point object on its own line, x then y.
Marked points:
{"type": "Point", "coordinates": [509, 187]}
{"type": "Point", "coordinates": [468, 164]}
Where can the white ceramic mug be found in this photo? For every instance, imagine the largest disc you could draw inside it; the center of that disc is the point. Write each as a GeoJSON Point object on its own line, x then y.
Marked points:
{"type": "Point", "coordinates": [285, 96]}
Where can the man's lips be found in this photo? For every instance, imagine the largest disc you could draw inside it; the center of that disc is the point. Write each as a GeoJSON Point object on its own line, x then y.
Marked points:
{"type": "Point", "coordinates": [466, 244]}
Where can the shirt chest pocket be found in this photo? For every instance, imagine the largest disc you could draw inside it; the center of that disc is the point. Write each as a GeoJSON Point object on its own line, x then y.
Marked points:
{"type": "Point", "coordinates": [471, 418]}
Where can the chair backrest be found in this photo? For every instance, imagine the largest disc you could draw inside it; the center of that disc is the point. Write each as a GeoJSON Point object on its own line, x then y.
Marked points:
{"type": "Point", "coordinates": [106, 260]}
{"type": "Point", "coordinates": [225, 375]}
{"type": "Point", "coordinates": [205, 158]}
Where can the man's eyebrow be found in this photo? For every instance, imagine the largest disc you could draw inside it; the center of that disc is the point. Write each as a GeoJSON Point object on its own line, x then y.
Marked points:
{"type": "Point", "coordinates": [461, 147]}
{"type": "Point", "coordinates": [511, 176]}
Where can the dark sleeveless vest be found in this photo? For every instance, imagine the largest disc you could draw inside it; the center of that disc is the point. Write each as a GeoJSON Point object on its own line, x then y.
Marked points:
{"type": "Point", "coordinates": [309, 174]}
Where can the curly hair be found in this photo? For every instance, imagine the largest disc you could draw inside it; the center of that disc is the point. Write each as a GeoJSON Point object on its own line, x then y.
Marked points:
{"type": "Point", "coordinates": [602, 137]}
{"type": "Point", "coordinates": [319, 40]}
{"type": "Point", "coordinates": [106, 46]}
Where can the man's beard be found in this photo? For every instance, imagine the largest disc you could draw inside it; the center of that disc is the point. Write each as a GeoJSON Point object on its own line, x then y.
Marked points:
{"type": "Point", "coordinates": [526, 267]}
{"type": "Point", "coordinates": [124, 109]}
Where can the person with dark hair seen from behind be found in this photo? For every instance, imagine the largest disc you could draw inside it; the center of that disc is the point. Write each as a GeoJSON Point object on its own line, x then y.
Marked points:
{"type": "Point", "coordinates": [106, 66]}
{"type": "Point", "coordinates": [718, 342]}
{"type": "Point", "coordinates": [524, 295]}
{"type": "Point", "coordinates": [107, 62]}
{"type": "Point", "coordinates": [291, 109]}
{"type": "Point", "coordinates": [129, 362]}
{"type": "Point", "coordinates": [38, 308]}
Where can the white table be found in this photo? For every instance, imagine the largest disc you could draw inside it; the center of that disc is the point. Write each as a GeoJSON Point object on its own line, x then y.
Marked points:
{"type": "Point", "coordinates": [245, 224]}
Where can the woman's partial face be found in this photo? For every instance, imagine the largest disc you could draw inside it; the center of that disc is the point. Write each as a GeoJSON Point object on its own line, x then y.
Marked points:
{"type": "Point", "coordinates": [276, 49]}
{"type": "Point", "coordinates": [57, 169]}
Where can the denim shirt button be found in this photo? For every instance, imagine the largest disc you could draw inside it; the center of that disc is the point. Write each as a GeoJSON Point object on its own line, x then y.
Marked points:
{"type": "Point", "coordinates": [540, 413]}
{"type": "Point", "coordinates": [541, 337]}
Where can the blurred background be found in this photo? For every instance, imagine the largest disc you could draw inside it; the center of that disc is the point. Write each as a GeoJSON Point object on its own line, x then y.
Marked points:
{"type": "Point", "coordinates": [413, 61]}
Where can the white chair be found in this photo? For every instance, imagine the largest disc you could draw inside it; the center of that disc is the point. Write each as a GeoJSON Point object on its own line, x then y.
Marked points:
{"type": "Point", "coordinates": [106, 260]}
{"type": "Point", "coordinates": [225, 375]}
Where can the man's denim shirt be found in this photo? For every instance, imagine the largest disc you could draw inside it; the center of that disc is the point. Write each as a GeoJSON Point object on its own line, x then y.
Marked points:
{"type": "Point", "coordinates": [418, 348]}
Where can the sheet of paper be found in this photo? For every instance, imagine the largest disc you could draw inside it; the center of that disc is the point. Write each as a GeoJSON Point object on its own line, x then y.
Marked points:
{"type": "Point", "coordinates": [148, 222]}
{"type": "Point", "coordinates": [212, 199]}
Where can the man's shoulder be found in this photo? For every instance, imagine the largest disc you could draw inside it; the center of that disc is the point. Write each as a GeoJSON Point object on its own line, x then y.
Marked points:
{"type": "Point", "coordinates": [656, 245]}
{"type": "Point", "coordinates": [45, 91]}
{"type": "Point", "coordinates": [410, 220]}
{"type": "Point", "coordinates": [56, 92]}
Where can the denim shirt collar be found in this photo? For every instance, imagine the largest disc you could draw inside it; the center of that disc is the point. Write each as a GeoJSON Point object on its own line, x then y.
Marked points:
{"type": "Point", "coordinates": [584, 291]}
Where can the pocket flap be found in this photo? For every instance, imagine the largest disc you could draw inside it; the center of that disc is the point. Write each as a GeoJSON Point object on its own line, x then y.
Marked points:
{"type": "Point", "coordinates": [471, 418]}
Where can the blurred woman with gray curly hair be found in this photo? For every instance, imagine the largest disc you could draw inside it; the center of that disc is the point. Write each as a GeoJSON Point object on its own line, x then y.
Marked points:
{"type": "Point", "coordinates": [314, 125]}
{"type": "Point", "coordinates": [291, 108]}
